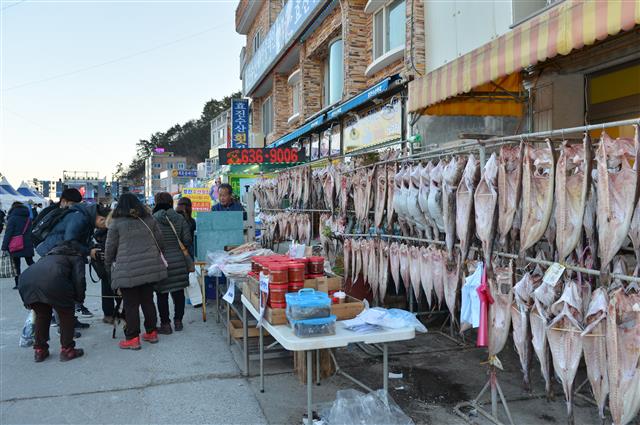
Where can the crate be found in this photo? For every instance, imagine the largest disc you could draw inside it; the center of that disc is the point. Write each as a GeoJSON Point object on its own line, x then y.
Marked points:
{"type": "Point", "coordinates": [235, 330]}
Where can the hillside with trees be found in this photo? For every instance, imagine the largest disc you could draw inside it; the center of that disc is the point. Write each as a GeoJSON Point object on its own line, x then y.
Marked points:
{"type": "Point", "coordinates": [191, 139]}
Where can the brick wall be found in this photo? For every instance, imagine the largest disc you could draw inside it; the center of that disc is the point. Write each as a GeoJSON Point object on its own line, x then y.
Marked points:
{"type": "Point", "coordinates": [281, 106]}
{"type": "Point", "coordinates": [260, 23]}
{"type": "Point", "coordinates": [256, 115]}
{"type": "Point", "coordinates": [357, 54]}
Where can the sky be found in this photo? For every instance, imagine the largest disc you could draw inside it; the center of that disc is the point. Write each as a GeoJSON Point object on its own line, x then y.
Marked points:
{"type": "Point", "coordinates": [82, 81]}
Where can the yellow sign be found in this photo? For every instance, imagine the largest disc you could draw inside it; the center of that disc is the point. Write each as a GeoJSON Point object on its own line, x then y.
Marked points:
{"type": "Point", "coordinates": [200, 198]}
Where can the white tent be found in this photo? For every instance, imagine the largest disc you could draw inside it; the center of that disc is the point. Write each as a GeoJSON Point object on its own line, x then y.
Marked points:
{"type": "Point", "coordinates": [8, 194]}
{"type": "Point", "coordinates": [31, 194]}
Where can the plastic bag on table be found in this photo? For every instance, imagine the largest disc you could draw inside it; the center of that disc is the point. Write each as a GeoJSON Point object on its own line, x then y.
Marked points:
{"type": "Point", "coordinates": [215, 261]}
{"type": "Point", "coordinates": [353, 407]}
{"type": "Point", "coordinates": [27, 337]}
{"type": "Point", "coordinates": [296, 250]}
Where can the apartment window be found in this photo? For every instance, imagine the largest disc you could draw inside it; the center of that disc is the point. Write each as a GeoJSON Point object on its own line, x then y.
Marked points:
{"type": "Point", "coordinates": [180, 165]}
{"type": "Point", "coordinates": [257, 39]}
{"type": "Point", "coordinates": [156, 165]}
{"type": "Point", "coordinates": [170, 165]}
{"type": "Point", "coordinates": [267, 116]}
{"type": "Point", "coordinates": [334, 74]}
{"type": "Point", "coordinates": [389, 28]}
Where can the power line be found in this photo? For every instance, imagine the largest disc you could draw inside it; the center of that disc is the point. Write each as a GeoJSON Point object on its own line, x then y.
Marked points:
{"type": "Point", "coordinates": [13, 4]}
{"type": "Point", "coordinates": [112, 61]}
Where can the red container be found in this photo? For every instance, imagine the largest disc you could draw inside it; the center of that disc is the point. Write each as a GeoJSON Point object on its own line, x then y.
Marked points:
{"type": "Point", "coordinates": [306, 262]}
{"type": "Point", "coordinates": [295, 286]}
{"type": "Point", "coordinates": [255, 265]}
{"type": "Point", "coordinates": [277, 294]}
{"type": "Point", "coordinates": [296, 271]}
{"type": "Point", "coordinates": [279, 273]}
{"type": "Point", "coordinates": [278, 305]}
{"type": "Point", "coordinates": [314, 276]}
{"type": "Point", "coordinates": [316, 265]}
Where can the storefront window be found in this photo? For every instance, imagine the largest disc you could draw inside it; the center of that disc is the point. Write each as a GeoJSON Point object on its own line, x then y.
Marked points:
{"type": "Point", "coordinates": [334, 74]}
{"type": "Point", "coordinates": [325, 141]}
{"type": "Point", "coordinates": [315, 146]}
{"type": "Point", "coordinates": [335, 140]}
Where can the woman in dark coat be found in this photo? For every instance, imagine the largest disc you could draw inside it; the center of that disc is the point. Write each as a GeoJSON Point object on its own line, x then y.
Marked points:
{"type": "Point", "coordinates": [19, 223]}
{"type": "Point", "coordinates": [55, 282]}
{"type": "Point", "coordinates": [174, 227]}
{"type": "Point", "coordinates": [185, 209]}
{"type": "Point", "coordinates": [134, 255]}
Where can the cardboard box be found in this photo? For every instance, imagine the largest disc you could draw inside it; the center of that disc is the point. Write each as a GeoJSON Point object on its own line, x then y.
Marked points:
{"type": "Point", "coordinates": [311, 283]}
{"type": "Point", "coordinates": [235, 329]}
{"type": "Point", "coordinates": [348, 309]}
{"type": "Point", "coordinates": [326, 284]}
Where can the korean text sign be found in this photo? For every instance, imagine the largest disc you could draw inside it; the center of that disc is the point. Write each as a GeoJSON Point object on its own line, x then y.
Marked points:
{"type": "Point", "coordinates": [200, 198]}
{"type": "Point", "coordinates": [240, 123]}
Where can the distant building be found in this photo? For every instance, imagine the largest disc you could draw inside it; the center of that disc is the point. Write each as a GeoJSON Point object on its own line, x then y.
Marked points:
{"type": "Point", "coordinates": [155, 165]}
{"type": "Point", "coordinates": [89, 183]}
{"type": "Point", "coordinates": [220, 136]}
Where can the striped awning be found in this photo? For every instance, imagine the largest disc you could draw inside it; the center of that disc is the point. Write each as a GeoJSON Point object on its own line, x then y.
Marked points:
{"type": "Point", "coordinates": [570, 25]}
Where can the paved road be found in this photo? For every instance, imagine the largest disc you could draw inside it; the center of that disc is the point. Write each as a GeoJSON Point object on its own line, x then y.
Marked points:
{"type": "Point", "coordinates": [189, 377]}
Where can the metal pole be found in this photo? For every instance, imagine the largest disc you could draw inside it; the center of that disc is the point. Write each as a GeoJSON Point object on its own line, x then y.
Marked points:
{"type": "Point", "coordinates": [228, 314]}
{"type": "Point", "coordinates": [245, 339]}
{"type": "Point", "coordinates": [217, 292]}
{"type": "Point", "coordinates": [494, 392]}
{"type": "Point", "coordinates": [385, 368]}
{"type": "Point", "coordinates": [309, 387]}
{"type": "Point", "coordinates": [318, 367]}
{"type": "Point", "coordinates": [261, 342]}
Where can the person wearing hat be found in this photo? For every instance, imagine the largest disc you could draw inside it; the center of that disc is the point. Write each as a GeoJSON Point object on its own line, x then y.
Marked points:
{"type": "Point", "coordinates": [68, 198]}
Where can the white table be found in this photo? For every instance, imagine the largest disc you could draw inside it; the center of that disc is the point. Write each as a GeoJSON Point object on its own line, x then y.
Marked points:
{"type": "Point", "coordinates": [343, 337]}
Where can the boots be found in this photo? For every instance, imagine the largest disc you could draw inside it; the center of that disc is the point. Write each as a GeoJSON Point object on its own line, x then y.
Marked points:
{"type": "Point", "coordinates": [151, 337]}
{"type": "Point", "coordinates": [40, 354]}
{"type": "Point", "coordinates": [165, 329]}
{"type": "Point", "coordinates": [177, 324]}
{"type": "Point", "coordinates": [130, 344]}
{"type": "Point", "coordinates": [67, 354]}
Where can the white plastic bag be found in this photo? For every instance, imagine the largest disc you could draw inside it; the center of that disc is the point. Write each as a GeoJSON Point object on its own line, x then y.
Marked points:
{"type": "Point", "coordinates": [354, 407]}
{"type": "Point", "coordinates": [296, 250]}
{"type": "Point", "coordinates": [193, 290]}
{"type": "Point", "coordinates": [27, 337]}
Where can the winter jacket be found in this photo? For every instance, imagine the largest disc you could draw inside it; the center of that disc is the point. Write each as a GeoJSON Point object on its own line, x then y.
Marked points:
{"type": "Point", "coordinates": [131, 254]}
{"type": "Point", "coordinates": [77, 226]}
{"type": "Point", "coordinates": [57, 279]}
{"type": "Point", "coordinates": [178, 275]}
{"type": "Point", "coordinates": [18, 218]}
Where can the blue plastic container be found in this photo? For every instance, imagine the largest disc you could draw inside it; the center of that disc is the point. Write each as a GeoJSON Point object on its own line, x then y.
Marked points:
{"type": "Point", "coordinates": [307, 304]}
{"type": "Point", "coordinates": [321, 326]}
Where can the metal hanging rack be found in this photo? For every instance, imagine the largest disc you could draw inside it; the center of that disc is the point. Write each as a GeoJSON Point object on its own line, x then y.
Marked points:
{"type": "Point", "coordinates": [579, 269]}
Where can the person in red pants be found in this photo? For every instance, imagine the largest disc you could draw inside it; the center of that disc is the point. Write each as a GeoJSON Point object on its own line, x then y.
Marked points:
{"type": "Point", "coordinates": [134, 254]}
{"type": "Point", "coordinates": [55, 282]}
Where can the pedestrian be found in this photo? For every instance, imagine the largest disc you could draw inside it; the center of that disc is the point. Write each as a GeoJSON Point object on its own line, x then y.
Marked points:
{"type": "Point", "coordinates": [185, 209]}
{"type": "Point", "coordinates": [3, 215]}
{"type": "Point", "coordinates": [175, 230]}
{"type": "Point", "coordinates": [19, 226]}
{"type": "Point", "coordinates": [78, 224]}
{"type": "Point", "coordinates": [68, 198]}
{"type": "Point", "coordinates": [134, 254]}
{"type": "Point", "coordinates": [108, 296]}
{"type": "Point", "coordinates": [55, 282]}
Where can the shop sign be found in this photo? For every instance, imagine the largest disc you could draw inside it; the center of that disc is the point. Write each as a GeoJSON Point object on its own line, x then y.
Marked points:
{"type": "Point", "coordinates": [377, 125]}
{"type": "Point", "coordinates": [363, 97]}
{"type": "Point", "coordinates": [240, 123]}
{"type": "Point", "coordinates": [290, 21]}
{"type": "Point", "coordinates": [184, 173]}
{"type": "Point", "coordinates": [281, 155]}
{"type": "Point", "coordinates": [200, 198]}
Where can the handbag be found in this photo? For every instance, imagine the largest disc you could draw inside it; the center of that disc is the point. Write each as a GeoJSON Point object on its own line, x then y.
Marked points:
{"type": "Point", "coordinates": [191, 266]}
{"type": "Point", "coordinates": [6, 266]}
{"type": "Point", "coordinates": [164, 260]}
{"type": "Point", "coordinates": [17, 242]}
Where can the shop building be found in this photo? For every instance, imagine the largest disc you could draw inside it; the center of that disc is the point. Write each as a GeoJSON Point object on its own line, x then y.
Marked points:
{"type": "Point", "coordinates": [323, 73]}
{"type": "Point", "coordinates": [154, 165]}
{"type": "Point", "coordinates": [552, 66]}
{"type": "Point", "coordinates": [220, 136]}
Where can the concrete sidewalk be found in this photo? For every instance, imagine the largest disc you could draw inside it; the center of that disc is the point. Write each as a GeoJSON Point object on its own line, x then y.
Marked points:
{"type": "Point", "coordinates": [189, 377]}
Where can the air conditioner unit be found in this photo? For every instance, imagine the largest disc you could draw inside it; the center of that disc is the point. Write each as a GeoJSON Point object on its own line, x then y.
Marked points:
{"type": "Point", "coordinates": [256, 140]}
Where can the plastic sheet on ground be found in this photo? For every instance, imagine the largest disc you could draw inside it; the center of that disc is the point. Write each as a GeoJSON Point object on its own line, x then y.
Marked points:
{"type": "Point", "coordinates": [353, 407]}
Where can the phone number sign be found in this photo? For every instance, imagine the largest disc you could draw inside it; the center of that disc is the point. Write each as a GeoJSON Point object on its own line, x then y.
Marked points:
{"type": "Point", "coordinates": [284, 155]}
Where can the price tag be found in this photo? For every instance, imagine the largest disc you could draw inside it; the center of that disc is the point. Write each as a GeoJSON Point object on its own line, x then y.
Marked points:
{"type": "Point", "coordinates": [230, 294]}
{"type": "Point", "coordinates": [264, 295]}
{"type": "Point", "coordinates": [553, 274]}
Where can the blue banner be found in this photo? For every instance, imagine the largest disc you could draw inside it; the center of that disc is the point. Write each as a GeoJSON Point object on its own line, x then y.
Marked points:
{"type": "Point", "coordinates": [240, 123]}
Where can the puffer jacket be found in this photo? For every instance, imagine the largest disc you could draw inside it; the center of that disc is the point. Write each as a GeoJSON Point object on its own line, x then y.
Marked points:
{"type": "Point", "coordinates": [178, 275]}
{"type": "Point", "coordinates": [58, 279]}
{"type": "Point", "coordinates": [77, 226]}
{"type": "Point", "coordinates": [131, 253]}
{"type": "Point", "coordinates": [18, 221]}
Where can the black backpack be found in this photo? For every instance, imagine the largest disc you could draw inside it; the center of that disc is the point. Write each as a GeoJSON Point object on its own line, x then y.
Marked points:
{"type": "Point", "coordinates": [43, 227]}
